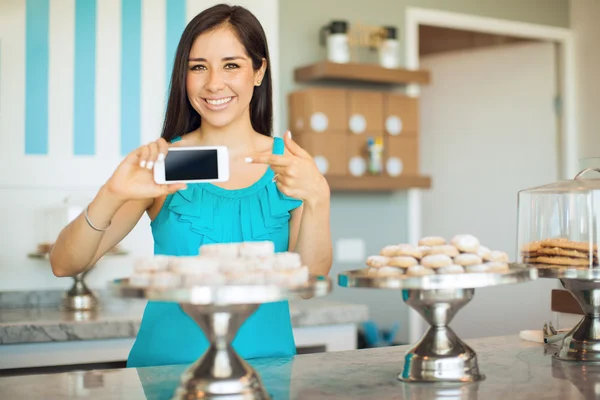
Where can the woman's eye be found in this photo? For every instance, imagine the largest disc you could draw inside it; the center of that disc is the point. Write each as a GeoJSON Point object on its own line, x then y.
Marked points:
{"type": "Point", "coordinates": [197, 67]}
{"type": "Point", "coordinates": [231, 66]}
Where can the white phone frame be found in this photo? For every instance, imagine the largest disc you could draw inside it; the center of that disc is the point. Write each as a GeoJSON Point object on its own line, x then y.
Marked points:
{"type": "Point", "coordinates": [222, 165]}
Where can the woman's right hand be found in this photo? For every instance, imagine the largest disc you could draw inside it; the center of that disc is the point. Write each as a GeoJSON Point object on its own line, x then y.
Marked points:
{"type": "Point", "coordinates": [134, 177]}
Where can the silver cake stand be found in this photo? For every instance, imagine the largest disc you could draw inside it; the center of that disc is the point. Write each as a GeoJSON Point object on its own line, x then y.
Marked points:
{"type": "Point", "coordinates": [440, 355]}
{"type": "Point", "coordinates": [79, 297]}
{"type": "Point", "coordinates": [220, 311]}
{"type": "Point", "coordinates": [582, 343]}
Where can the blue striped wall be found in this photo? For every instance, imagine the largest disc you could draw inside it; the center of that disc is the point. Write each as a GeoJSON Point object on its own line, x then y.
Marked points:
{"type": "Point", "coordinates": [37, 53]}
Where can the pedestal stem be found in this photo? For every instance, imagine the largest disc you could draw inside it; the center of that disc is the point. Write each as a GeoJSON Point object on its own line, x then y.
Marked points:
{"type": "Point", "coordinates": [220, 371]}
{"type": "Point", "coordinates": [583, 342]}
{"type": "Point", "coordinates": [440, 355]}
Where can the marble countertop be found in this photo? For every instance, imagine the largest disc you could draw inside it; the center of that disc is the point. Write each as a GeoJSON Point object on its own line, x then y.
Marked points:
{"type": "Point", "coordinates": [514, 370]}
{"type": "Point", "coordinates": [120, 318]}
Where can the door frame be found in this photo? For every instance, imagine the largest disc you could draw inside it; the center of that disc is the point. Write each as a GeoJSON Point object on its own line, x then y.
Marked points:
{"type": "Point", "coordinates": [567, 130]}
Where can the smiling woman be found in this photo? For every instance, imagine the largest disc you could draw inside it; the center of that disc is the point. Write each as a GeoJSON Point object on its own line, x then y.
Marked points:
{"type": "Point", "coordinates": [220, 95]}
{"type": "Point", "coordinates": [237, 73]}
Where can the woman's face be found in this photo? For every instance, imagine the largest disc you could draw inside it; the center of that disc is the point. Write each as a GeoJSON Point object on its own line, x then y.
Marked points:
{"type": "Point", "coordinates": [220, 79]}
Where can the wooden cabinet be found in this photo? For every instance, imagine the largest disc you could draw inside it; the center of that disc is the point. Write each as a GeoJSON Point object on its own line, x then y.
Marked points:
{"type": "Point", "coordinates": [335, 125]}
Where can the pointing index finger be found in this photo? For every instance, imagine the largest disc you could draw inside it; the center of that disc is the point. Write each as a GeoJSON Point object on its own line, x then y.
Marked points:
{"type": "Point", "coordinates": [271, 159]}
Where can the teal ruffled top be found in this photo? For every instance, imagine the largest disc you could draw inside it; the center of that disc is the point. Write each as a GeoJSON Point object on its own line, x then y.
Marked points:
{"type": "Point", "coordinates": [205, 213]}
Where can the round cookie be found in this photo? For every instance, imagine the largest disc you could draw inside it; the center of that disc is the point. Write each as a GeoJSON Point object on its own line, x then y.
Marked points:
{"type": "Point", "coordinates": [389, 251]}
{"type": "Point", "coordinates": [466, 259]}
{"type": "Point", "coordinates": [409, 250]}
{"type": "Point", "coordinates": [436, 261]}
{"type": "Point", "coordinates": [568, 244]}
{"type": "Point", "coordinates": [377, 261]}
{"type": "Point", "coordinates": [450, 269]}
{"type": "Point", "coordinates": [484, 252]}
{"type": "Point", "coordinates": [419, 270]}
{"type": "Point", "coordinates": [466, 243]}
{"type": "Point", "coordinates": [500, 256]}
{"type": "Point", "coordinates": [557, 251]}
{"type": "Point", "coordinates": [531, 247]}
{"type": "Point", "coordinates": [478, 268]}
{"type": "Point", "coordinates": [372, 271]}
{"type": "Point", "coordinates": [576, 262]}
{"type": "Point", "coordinates": [388, 270]}
{"type": "Point", "coordinates": [425, 250]}
{"type": "Point", "coordinates": [432, 241]}
{"type": "Point", "coordinates": [446, 249]}
{"type": "Point", "coordinates": [497, 266]}
{"type": "Point", "coordinates": [402, 261]}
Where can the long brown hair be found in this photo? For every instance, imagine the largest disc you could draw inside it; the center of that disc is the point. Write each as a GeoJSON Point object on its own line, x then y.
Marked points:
{"type": "Point", "coordinates": [180, 117]}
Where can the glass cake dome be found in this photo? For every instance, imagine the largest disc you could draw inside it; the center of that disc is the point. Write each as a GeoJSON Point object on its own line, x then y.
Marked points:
{"type": "Point", "coordinates": [557, 224]}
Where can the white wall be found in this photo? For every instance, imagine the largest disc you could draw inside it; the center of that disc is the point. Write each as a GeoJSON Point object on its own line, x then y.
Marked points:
{"type": "Point", "coordinates": [30, 183]}
{"type": "Point", "coordinates": [585, 15]}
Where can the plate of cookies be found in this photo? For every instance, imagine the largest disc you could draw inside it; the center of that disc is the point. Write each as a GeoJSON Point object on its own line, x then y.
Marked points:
{"type": "Point", "coordinates": [223, 274]}
{"type": "Point", "coordinates": [437, 263]}
{"type": "Point", "coordinates": [562, 258]}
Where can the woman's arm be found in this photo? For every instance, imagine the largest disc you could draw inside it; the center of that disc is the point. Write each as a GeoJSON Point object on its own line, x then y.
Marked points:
{"type": "Point", "coordinates": [79, 246]}
{"type": "Point", "coordinates": [114, 212]}
{"type": "Point", "coordinates": [310, 236]}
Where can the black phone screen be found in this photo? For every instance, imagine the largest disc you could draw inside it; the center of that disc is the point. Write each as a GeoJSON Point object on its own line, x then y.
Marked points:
{"type": "Point", "coordinates": [191, 165]}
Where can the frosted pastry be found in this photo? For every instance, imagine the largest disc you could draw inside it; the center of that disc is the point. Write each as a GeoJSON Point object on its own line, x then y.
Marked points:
{"type": "Point", "coordinates": [256, 249]}
{"type": "Point", "coordinates": [286, 260]}
{"type": "Point", "coordinates": [402, 261]}
{"type": "Point", "coordinates": [233, 266]}
{"type": "Point", "coordinates": [151, 264]}
{"type": "Point", "coordinates": [477, 268]}
{"type": "Point", "coordinates": [436, 261]}
{"type": "Point", "coordinates": [194, 265]}
{"type": "Point", "coordinates": [377, 261]}
{"type": "Point", "coordinates": [419, 270]}
{"type": "Point", "coordinates": [424, 250]}
{"type": "Point", "coordinates": [432, 241]}
{"type": "Point", "coordinates": [390, 271]}
{"type": "Point", "coordinates": [467, 259]}
{"type": "Point", "coordinates": [203, 280]}
{"type": "Point", "coordinates": [466, 243]}
{"type": "Point", "coordinates": [500, 256]}
{"type": "Point", "coordinates": [246, 278]}
{"type": "Point", "coordinates": [446, 249]}
{"type": "Point", "coordinates": [450, 269]}
{"type": "Point", "coordinates": [290, 277]}
{"type": "Point", "coordinates": [389, 251]}
{"type": "Point", "coordinates": [261, 263]}
{"type": "Point", "coordinates": [220, 250]}
{"type": "Point", "coordinates": [409, 250]}
{"type": "Point", "coordinates": [141, 279]}
{"type": "Point", "coordinates": [497, 266]}
{"type": "Point", "coordinates": [298, 276]}
{"type": "Point", "coordinates": [484, 253]}
{"type": "Point", "coordinates": [165, 280]}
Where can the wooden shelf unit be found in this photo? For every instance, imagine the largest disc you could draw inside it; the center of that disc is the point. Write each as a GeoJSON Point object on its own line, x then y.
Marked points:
{"type": "Point", "coordinates": [377, 183]}
{"type": "Point", "coordinates": [369, 73]}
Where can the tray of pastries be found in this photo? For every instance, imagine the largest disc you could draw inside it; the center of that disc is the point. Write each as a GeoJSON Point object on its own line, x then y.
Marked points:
{"type": "Point", "coordinates": [437, 263]}
{"type": "Point", "coordinates": [231, 273]}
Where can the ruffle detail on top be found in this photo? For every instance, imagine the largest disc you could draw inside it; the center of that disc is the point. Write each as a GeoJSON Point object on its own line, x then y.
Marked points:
{"type": "Point", "coordinates": [262, 209]}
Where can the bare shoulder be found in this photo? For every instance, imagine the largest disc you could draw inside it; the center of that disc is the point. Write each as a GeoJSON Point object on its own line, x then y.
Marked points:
{"type": "Point", "coordinates": [264, 144]}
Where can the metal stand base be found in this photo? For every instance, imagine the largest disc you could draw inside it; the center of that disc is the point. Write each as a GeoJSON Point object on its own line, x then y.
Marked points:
{"type": "Point", "coordinates": [583, 342]}
{"type": "Point", "coordinates": [79, 297]}
{"type": "Point", "coordinates": [440, 356]}
{"type": "Point", "coordinates": [220, 373]}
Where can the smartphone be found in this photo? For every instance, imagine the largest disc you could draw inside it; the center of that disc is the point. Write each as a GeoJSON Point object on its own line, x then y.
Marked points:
{"type": "Point", "coordinates": [193, 164]}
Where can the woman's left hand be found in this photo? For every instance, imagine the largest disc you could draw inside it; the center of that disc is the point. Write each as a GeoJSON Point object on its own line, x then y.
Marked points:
{"type": "Point", "coordinates": [296, 173]}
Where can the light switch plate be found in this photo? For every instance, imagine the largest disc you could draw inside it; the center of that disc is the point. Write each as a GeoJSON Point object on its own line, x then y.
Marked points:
{"type": "Point", "coordinates": [350, 250]}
